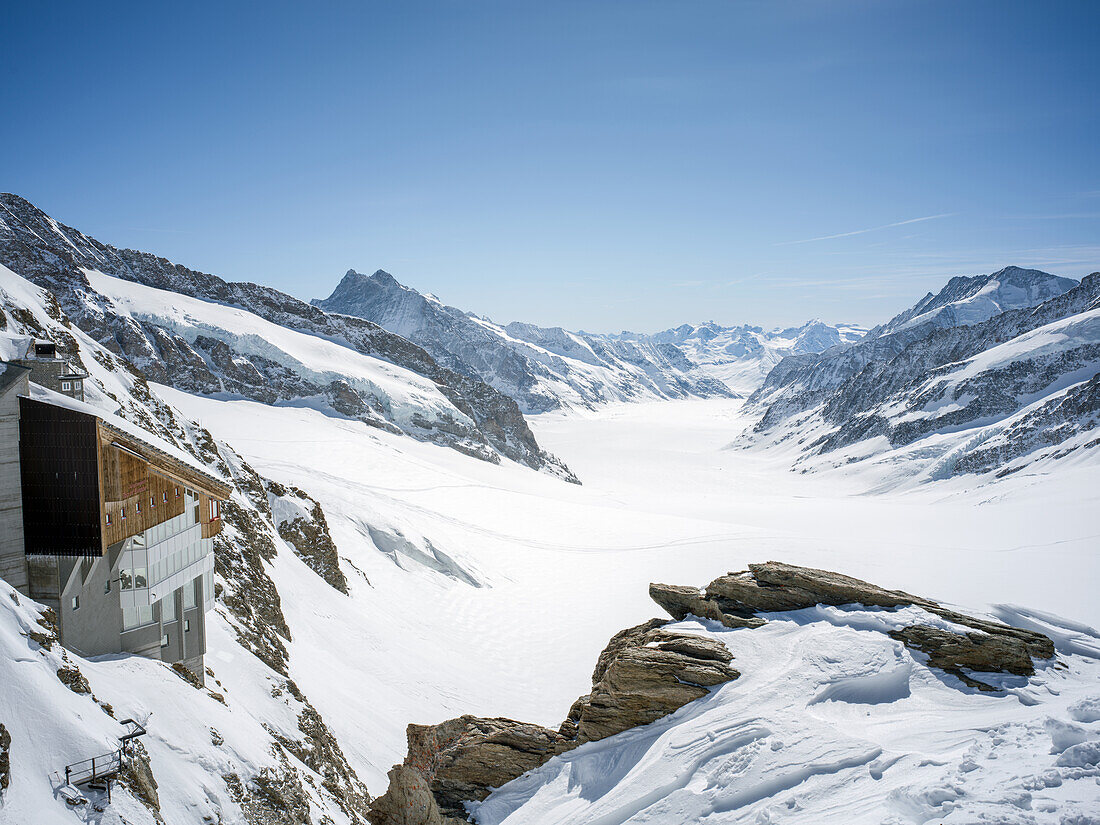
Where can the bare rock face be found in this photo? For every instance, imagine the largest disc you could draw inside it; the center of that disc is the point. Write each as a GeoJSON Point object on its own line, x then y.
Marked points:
{"type": "Point", "coordinates": [5, 758]}
{"type": "Point", "coordinates": [463, 759]}
{"type": "Point", "coordinates": [407, 801]}
{"type": "Point", "coordinates": [680, 602]}
{"type": "Point", "coordinates": [773, 587]}
{"type": "Point", "coordinates": [951, 652]}
{"type": "Point", "coordinates": [646, 673]}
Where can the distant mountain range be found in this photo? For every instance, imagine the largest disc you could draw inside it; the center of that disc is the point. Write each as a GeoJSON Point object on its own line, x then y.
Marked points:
{"type": "Point", "coordinates": [1011, 359]}
{"type": "Point", "coordinates": [988, 374]}
{"type": "Point", "coordinates": [551, 368]}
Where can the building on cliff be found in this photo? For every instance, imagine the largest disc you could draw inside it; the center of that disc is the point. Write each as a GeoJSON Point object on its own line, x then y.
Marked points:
{"type": "Point", "coordinates": [105, 523]}
{"type": "Point", "coordinates": [50, 369]}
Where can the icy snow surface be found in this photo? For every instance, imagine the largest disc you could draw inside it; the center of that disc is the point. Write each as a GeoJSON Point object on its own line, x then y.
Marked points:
{"type": "Point", "coordinates": [566, 567]}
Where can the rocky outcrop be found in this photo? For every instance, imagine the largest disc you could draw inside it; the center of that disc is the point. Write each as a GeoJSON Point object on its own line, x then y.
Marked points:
{"type": "Point", "coordinates": [736, 599]}
{"type": "Point", "coordinates": [73, 679]}
{"type": "Point", "coordinates": [681, 601]}
{"type": "Point", "coordinates": [984, 653]}
{"type": "Point", "coordinates": [301, 522]}
{"type": "Point", "coordinates": [643, 674]}
{"type": "Point", "coordinates": [464, 758]}
{"type": "Point", "coordinates": [649, 671]}
{"type": "Point", "coordinates": [646, 673]}
{"type": "Point", "coordinates": [5, 758]}
{"type": "Point", "coordinates": [137, 775]}
{"type": "Point", "coordinates": [408, 801]}
{"type": "Point", "coordinates": [320, 752]}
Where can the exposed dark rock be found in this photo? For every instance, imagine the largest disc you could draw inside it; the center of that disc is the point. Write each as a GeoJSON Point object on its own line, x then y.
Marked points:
{"type": "Point", "coordinates": [905, 382]}
{"type": "Point", "coordinates": [463, 758]}
{"type": "Point", "coordinates": [776, 587]}
{"type": "Point", "coordinates": [47, 620]}
{"type": "Point", "coordinates": [137, 775]}
{"type": "Point", "coordinates": [73, 679]}
{"type": "Point", "coordinates": [646, 673]}
{"type": "Point", "coordinates": [308, 534]}
{"type": "Point", "coordinates": [1052, 423]}
{"type": "Point", "coordinates": [319, 751]}
{"type": "Point", "coordinates": [5, 758]}
{"type": "Point", "coordinates": [536, 366]}
{"type": "Point", "coordinates": [681, 601]}
{"type": "Point", "coordinates": [272, 797]}
{"type": "Point", "coordinates": [974, 651]}
{"type": "Point", "coordinates": [408, 801]}
{"type": "Point", "coordinates": [53, 255]}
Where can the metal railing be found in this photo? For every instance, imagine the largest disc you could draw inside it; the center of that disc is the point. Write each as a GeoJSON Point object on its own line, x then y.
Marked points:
{"type": "Point", "coordinates": [98, 767]}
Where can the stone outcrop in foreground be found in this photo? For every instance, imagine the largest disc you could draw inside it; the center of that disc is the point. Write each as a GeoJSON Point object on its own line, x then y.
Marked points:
{"type": "Point", "coordinates": [644, 673]}
{"type": "Point", "coordinates": [647, 672]}
{"type": "Point", "coordinates": [736, 599]}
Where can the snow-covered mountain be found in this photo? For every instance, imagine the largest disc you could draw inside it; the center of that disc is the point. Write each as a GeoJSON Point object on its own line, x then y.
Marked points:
{"type": "Point", "coordinates": [541, 368]}
{"type": "Point", "coordinates": [989, 374]}
{"type": "Point", "coordinates": [375, 571]}
{"type": "Point", "coordinates": [202, 334]}
{"type": "Point", "coordinates": [742, 356]}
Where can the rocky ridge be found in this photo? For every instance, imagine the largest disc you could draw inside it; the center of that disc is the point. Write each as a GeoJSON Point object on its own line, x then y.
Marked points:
{"type": "Point", "coordinates": [923, 374]}
{"type": "Point", "coordinates": [800, 382]}
{"type": "Point", "coordinates": [649, 671]}
{"type": "Point", "coordinates": [487, 423]}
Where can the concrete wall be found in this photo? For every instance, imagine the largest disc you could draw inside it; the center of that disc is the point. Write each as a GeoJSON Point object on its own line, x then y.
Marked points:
{"type": "Point", "coordinates": [94, 628]}
{"type": "Point", "coordinates": [13, 564]}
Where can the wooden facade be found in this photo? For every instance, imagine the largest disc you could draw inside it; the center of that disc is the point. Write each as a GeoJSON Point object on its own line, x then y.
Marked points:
{"type": "Point", "coordinates": [88, 485]}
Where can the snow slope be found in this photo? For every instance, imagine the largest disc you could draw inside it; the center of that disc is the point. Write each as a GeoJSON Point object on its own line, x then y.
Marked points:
{"type": "Point", "coordinates": [832, 721]}
{"type": "Point", "coordinates": [404, 393]}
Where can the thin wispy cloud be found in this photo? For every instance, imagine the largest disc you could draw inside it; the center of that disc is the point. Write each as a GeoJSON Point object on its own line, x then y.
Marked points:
{"type": "Point", "coordinates": [869, 229]}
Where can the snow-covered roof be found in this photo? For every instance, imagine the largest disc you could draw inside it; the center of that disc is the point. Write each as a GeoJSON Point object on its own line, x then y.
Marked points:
{"type": "Point", "coordinates": [119, 423]}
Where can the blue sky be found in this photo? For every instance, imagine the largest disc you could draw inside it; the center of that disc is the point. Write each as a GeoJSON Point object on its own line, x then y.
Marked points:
{"type": "Point", "coordinates": [598, 165]}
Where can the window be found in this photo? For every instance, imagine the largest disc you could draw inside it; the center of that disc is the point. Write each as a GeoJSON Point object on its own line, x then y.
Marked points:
{"type": "Point", "coordinates": [189, 596]}
{"type": "Point", "coordinates": [126, 579]}
{"type": "Point", "coordinates": [177, 492]}
{"type": "Point", "coordinates": [215, 510]}
{"type": "Point", "coordinates": [139, 577]}
{"type": "Point", "coordinates": [165, 496]}
{"type": "Point", "coordinates": [108, 518]}
{"type": "Point", "coordinates": [107, 586]}
{"type": "Point", "coordinates": [76, 602]}
{"type": "Point", "coordinates": [186, 625]}
{"type": "Point", "coordinates": [66, 386]}
{"type": "Point", "coordinates": [152, 501]}
{"type": "Point", "coordinates": [168, 608]}
{"type": "Point", "coordinates": [136, 617]}
{"type": "Point", "coordinates": [164, 640]}
{"type": "Point", "coordinates": [123, 512]}
{"type": "Point", "coordinates": [76, 385]}
{"type": "Point", "coordinates": [137, 506]}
